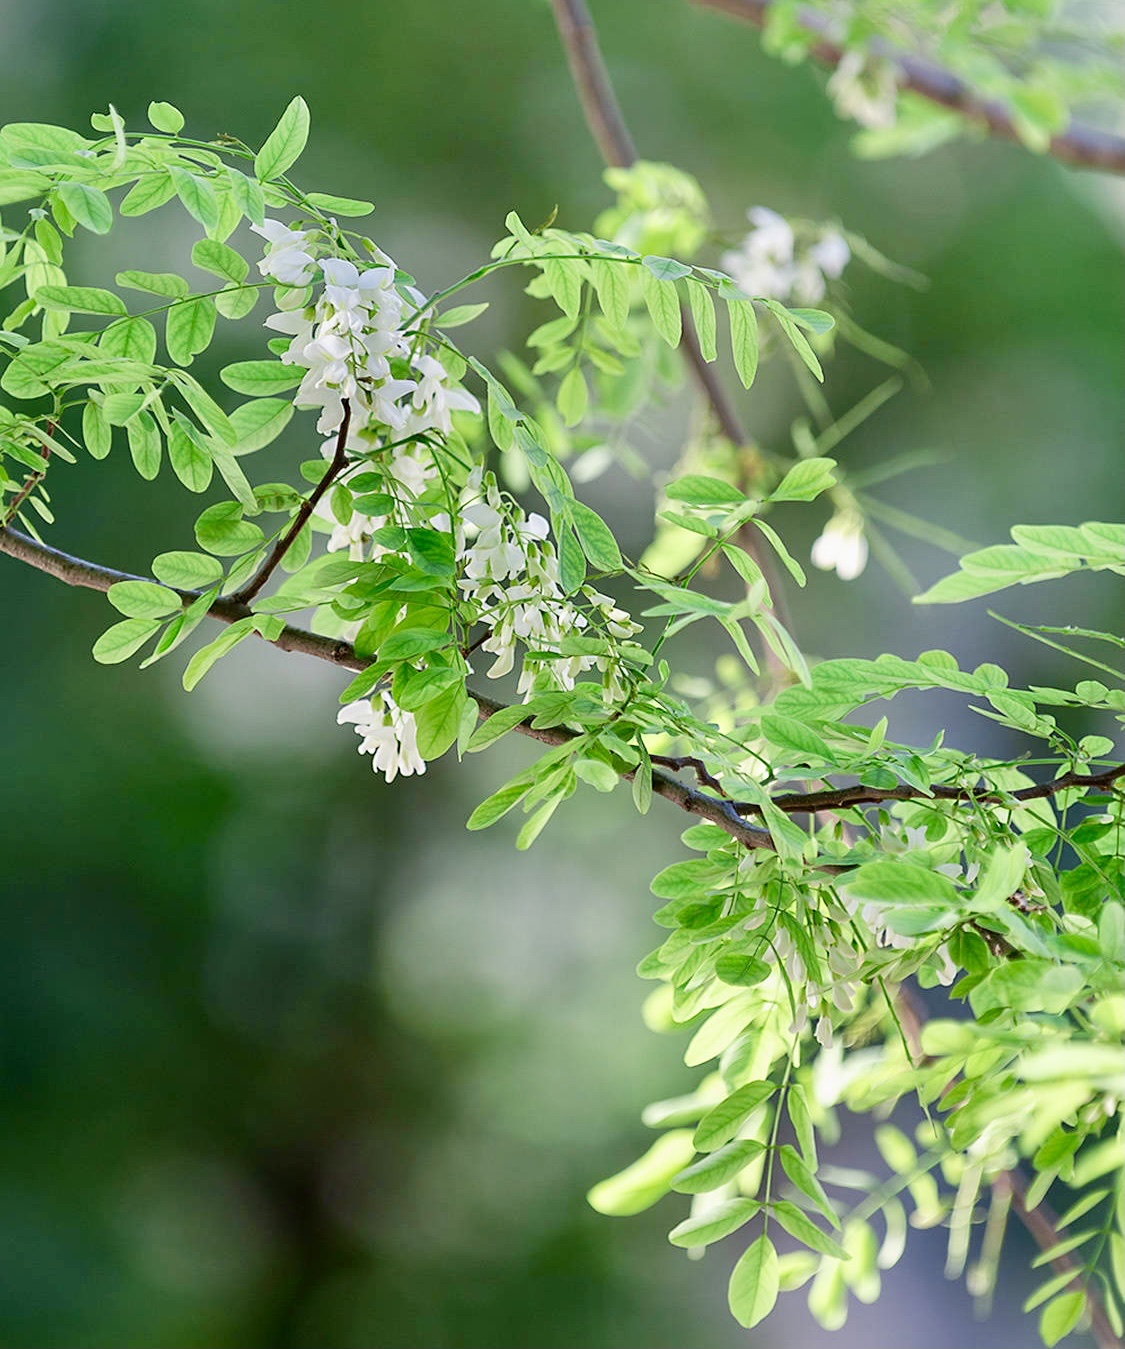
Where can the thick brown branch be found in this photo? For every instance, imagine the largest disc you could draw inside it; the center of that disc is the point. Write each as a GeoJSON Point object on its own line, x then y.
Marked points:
{"type": "Point", "coordinates": [839, 798]}
{"type": "Point", "coordinates": [1083, 146]}
{"type": "Point", "coordinates": [75, 571]}
{"type": "Point", "coordinates": [283, 545]}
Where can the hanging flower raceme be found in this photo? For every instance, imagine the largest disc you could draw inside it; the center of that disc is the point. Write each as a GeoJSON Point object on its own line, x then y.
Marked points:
{"type": "Point", "coordinates": [778, 263]}
{"type": "Point", "coordinates": [387, 733]}
{"type": "Point", "coordinates": [353, 345]}
{"type": "Point", "coordinates": [353, 342]}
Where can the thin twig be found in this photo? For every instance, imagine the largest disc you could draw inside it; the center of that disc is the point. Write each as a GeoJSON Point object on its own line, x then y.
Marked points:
{"type": "Point", "coordinates": [611, 134]}
{"type": "Point", "coordinates": [678, 762]}
{"type": "Point", "coordinates": [76, 571]}
{"type": "Point", "coordinates": [33, 481]}
{"type": "Point", "coordinates": [1082, 146]}
{"type": "Point", "coordinates": [335, 468]}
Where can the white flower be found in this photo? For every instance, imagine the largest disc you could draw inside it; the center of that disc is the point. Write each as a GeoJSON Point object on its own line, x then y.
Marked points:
{"type": "Point", "coordinates": [865, 89]}
{"type": "Point", "coordinates": [762, 265]}
{"type": "Point", "coordinates": [831, 253]}
{"type": "Point", "coordinates": [286, 259]}
{"type": "Point", "coordinates": [387, 733]}
{"type": "Point", "coordinates": [770, 261]}
{"type": "Point", "coordinates": [842, 546]}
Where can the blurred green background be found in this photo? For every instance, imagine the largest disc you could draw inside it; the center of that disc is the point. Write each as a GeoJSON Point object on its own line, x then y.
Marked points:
{"type": "Point", "coordinates": [289, 1059]}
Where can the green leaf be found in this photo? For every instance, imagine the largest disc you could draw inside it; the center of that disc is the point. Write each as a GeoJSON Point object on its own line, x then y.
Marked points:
{"type": "Point", "coordinates": [814, 320]}
{"type": "Point", "coordinates": [1060, 1316]}
{"type": "Point", "coordinates": [698, 489]}
{"type": "Point", "coordinates": [497, 805]}
{"type": "Point", "coordinates": [893, 882]}
{"type": "Point", "coordinates": [596, 538]}
{"type": "Point", "coordinates": [211, 256]}
{"type": "Point", "coordinates": [149, 192]}
{"type": "Point", "coordinates": [332, 205]}
{"type": "Point", "coordinates": [723, 1121]}
{"type": "Point", "coordinates": [124, 639]}
{"type": "Point", "coordinates": [235, 302]}
{"type": "Point", "coordinates": [642, 780]}
{"type": "Point", "coordinates": [572, 396]}
{"type": "Point", "coordinates": [663, 306]}
{"type": "Point", "coordinates": [407, 643]}
{"type": "Point", "coordinates": [439, 720]}
{"type": "Point", "coordinates": [154, 283]}
{"type": "Point", "coordinates": [789, 734]}
{"type": "Point", "coordinates": [714, 1223]}
{"type": "Point", "coordinates": [144, 445]}
{"type": "Point", "coordinates": [284, 143]}
{"type": "Point", "coordinates": [197, 196]}
{"type": "Point", "coordinates": [259, 423]}
{"type": "Point", "coordinates": [189, 328]}
{"type": "Point", "coordinates": [131, 339]}
{"type": "Point", "coordinates": [187, 571]}
{"type": "Point", "coordinates": [743, 339]}
{"type": "Point", "coordinates": [649, 1178]}
{"type": "Point", "coordinates": [222, 530]}
{"type": "Point", "coordinates": [537, 823]}
{"type": "Point", "coordinates": [207, 655]}
{"type": "Point", "coordinates": [719, 1167]}
{"type": "Point", "coordinates": [247, 195]}
{"type": "Point", "coordinates": [261, 377]}
{"type": "Point", "coordinates": [805, 480]}
{"type": "Point", "coordinates": [798, 1111]}
{"type": "Point", "coordinates": [754, 1283]}
{"type": "Point", "coordinates": [120, 408]}
{"type": "Point", "coordinates": [97, 434]}
{"type": "Point", "coordinates": [798, 1224]}
{"type": "Point", "coordinates": [190, 462]}
{"type": "Point", "coordinates": [741, 970]}
{"type": "Point", "coordinates": [611, 284]}
{"type": "Point", "coordinates": [459, 315]}
{"type": "Point", "coordinates": [165, 117]}
{"type": "Point", "coordinates": [665, 269]}
{"type": "Point", "coordinates": [703, 315]}
{"type": "Point", "coordinates": [792, 566]}
{"type": "Point", "coordinates": [143, 599]}
{"type": "Point", "coordinates": [803, 1177]}
{"type": "Point", "coordinates": [81, 300]}
{"type": "Point", "coordinates": [796, 337]}
{"type": "Point", "coordinates": [88, 205]}
{"type": "Point", "coordinates": [572, 561]}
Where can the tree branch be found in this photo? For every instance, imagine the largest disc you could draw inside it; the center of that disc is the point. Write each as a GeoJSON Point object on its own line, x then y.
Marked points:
{"type": "Point", "coordinates": [75, 571]}
{"type": "Point", "coordinates": [1083, 146]}
{"type": "Point", "coordinates": [335, 468]}
{"type": "Point", "coordinates": [839, 798]}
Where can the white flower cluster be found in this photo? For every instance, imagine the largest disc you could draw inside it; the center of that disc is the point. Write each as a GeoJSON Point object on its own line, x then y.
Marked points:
{"type": "Point", "coordinates": [771, 263]}
{"type": "Point", "coordinates": [347, 341]}
{"type": "Point", "coordinates": [865, 88]}
{"type": "Point", "coordinates": [842, 546]}
{"type": "Point", "coordinates": [387, 733]}
{"type": "Point", "coordinates": [510, 583]}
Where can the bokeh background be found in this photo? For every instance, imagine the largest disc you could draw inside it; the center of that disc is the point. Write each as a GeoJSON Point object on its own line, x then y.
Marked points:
{"type": "Point", "coordinates": [288, 1058]}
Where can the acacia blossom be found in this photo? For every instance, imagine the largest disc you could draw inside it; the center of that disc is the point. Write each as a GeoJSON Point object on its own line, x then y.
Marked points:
{"type": "Point", "coordinates": [772, 262]}
{"type": "Point", "coordinates": [352, 344]}
{"type": "Point", "coordinates": [842, 546]}
{"type": "Point", "coordinates": [387, 733]}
